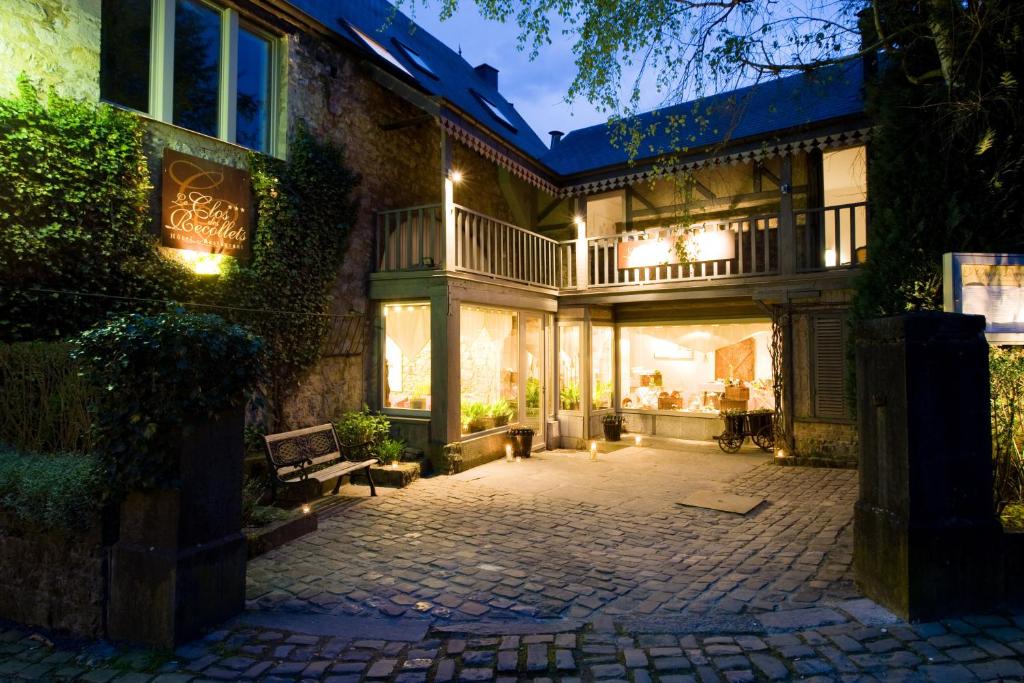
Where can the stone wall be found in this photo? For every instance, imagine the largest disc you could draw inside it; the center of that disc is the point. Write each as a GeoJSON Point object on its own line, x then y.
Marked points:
{"type": "Point", "coordinates": [53, 579]}
{"type": "Point", "coordinates": [55, 42]}
{"type": "Point", "coordinates": [826, 443]}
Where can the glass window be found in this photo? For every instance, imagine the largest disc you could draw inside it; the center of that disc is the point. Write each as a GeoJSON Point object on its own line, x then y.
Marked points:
{"type": "Point", "coordinates": [489, 354]}
{"type": "Point", "coordinates": [844, 175]}
{"type": "Point", "coordinates": [533, 368]}
{"type": "Point", "coordinates": [252, 104]}
{"type": "Point", "coordinates": [493, 109]}
{"type": "Point", "coordinates": [124, 52]}
{"type": "Point", "coordinates": [379, 49]}
{"type": "Point", "coordinates": [696, 368]}
{"type": "Point", "coordinates": [602, 346]}
{"type": "Point", "coordinates": [415, 58]}
{"type": "Point", "coordinates": [569, 367]}
{"type": "Point", "coordinates": [605, 215]}
{"type": "Point", "coordinates": [197, 43]}
{"type": "Point", "coordinates": [407, 356]}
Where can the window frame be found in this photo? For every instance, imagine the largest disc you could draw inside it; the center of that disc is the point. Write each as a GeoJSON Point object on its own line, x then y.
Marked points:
{"type": "Point", "coordinates": [161, 73]}
{"type": "Point", "coordinates": [382, 375]}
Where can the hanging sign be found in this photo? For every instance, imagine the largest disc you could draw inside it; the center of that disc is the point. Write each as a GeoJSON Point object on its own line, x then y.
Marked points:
{"type": "Point", "coordinates": [991, 285]}
{"type": "Point", "coordinates": [206, 206]}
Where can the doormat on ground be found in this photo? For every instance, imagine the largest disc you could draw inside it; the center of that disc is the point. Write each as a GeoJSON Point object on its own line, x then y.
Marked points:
{"type": "Point", "coordinates": [724, 502]}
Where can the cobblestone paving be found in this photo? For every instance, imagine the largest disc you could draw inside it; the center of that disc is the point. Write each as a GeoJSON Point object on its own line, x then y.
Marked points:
{"type": "Point", "coordinates": [454, 549]}
{"type": "Point", "coordinates": [478, 583]}
{"type": "Point", "coordinates": [982, 648]}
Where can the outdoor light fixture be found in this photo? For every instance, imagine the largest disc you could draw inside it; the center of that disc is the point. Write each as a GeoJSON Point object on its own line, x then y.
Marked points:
{"type": "Point", "coordinates": [394, 465]}
{"type": "Point", "coordinates": [781, 453]}
{"type": "Point", "coordinates": [456, 176]}
{"type": "Point", "coordinates": [577, 219]}
{"type": "Point", "coordinates": [593, 450]}
{"type": "Point", "coordinates": [306, 509]}
{"type": "Point", "coordinates": [638, 439]}
{"type": "Point", "coordinates": [200, 263]}
{"type": "Point", "coordinates": [830, 258]}
{"type": "Point", "coordinates": [508, 452]}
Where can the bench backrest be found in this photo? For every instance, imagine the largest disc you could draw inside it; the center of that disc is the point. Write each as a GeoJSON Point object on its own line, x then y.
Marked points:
{"type": "Point", "coordinates": [303, 447]}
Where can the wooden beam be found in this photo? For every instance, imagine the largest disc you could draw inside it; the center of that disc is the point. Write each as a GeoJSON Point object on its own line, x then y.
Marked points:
{"type": "Point", "coordinates": [546, 211]}
{"type": "Point", "coordinates": [703, 190]}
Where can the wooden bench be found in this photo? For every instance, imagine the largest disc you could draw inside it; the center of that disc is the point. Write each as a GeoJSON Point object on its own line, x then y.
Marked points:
{"type": "Point", "coordinates": [314, 453]}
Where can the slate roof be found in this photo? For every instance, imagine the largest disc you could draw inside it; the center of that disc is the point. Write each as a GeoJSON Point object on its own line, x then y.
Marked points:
{"type": "Point", "coordinates": [753, 112]}
{"type": "Point", "coordinates": [454, 78]}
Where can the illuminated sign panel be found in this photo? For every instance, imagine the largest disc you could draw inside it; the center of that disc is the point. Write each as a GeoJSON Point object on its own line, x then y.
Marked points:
{"type": "Point", "coordinates": [701, 245]}
{"type": "Point", "coordinates": [991, 285]}
{"type": "Point", "coordinates": [206, 206]}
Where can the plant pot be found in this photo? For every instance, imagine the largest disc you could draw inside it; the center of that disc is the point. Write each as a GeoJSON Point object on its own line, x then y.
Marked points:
{"type": "Point", "coordinates": [418, 403]}
{"type": "Point", "coordinates": [522, 444]}
{"type": "Point", "coordinates": [476, 425]}
{"type": "Point", "coordinates": [500, 420]}
{"type": "Point", "coordinates": [612, 432]}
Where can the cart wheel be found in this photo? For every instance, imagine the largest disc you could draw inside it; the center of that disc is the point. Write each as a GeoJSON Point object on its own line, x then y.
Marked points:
{"type": "Point", "coordinates": [764, 439]}
{"type": "Point", "coordinates": [729, 442]}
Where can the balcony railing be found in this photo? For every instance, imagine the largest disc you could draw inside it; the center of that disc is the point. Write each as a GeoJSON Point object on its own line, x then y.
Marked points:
{"type": "Point", "coordinates": [821, 239]}
{"type": "Point", "coordinates": [487, 246]}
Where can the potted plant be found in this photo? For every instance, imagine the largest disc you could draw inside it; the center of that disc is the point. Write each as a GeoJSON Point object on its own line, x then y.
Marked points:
{"type": "Point", "coordinates": [569, 396]}
{"type": "Point", "coordinates": [612, 425]}
{"type": "Point", "coordinates": [522, 440]}
{"type": "Point", "coordinates": [501, 412]}
{"type": "Point", "coordinates": [474, 416]}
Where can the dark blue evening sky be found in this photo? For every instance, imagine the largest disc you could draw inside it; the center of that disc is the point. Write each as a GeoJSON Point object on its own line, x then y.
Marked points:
{"type": "Point", "coordinates": [537, 88]}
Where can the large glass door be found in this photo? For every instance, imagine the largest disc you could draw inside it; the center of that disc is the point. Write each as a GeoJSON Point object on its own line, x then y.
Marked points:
{"type": "Point", "coordinates": [533, 371]}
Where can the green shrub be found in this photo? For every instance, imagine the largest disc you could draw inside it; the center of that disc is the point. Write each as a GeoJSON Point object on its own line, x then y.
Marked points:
{"type": "Point", "coordinates": [156, 375]}
{"type": "Point", "coordinates": [52, 491]}
{"type": "Point", "coordinates": [390, 450]}
{"type": "Point", "coordinates": [1006, 374]}
{"type": "Point", "coordinates": [74, 206]}
{"type": "Point", "coordinates": [44, 402]}
{"type": "Point", "coordinates": [362, 428]}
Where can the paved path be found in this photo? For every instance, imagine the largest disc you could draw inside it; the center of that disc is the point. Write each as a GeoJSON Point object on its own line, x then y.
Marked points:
{"type": "Point", "coordinates": [560, 536]}
{"type": "Point", "coordinates": [564, 570]}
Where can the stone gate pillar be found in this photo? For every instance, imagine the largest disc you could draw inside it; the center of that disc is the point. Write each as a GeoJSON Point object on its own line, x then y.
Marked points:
{"type": "Point", "coordinates": [926, 538]}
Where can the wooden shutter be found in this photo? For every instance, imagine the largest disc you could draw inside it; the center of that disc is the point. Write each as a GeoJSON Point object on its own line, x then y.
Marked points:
{"type": "Point", "coordinates": [829, 367]}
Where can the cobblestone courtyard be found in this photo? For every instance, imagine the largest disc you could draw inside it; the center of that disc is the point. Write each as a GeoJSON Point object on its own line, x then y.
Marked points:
{"type": "Point", "coordinates": [560, 536]}
{"type": "Point", "coordinates": [560, 569]}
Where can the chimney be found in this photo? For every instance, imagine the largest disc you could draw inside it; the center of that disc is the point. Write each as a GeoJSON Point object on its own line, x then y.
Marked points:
{"type": "Point", "coordinates": [556, 137]}
{"type": "Point", "coordinates": [488, 74]}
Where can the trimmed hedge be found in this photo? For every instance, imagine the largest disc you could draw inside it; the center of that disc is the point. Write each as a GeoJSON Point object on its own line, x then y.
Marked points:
{"type": "Point", "coordinates": [51, 491]}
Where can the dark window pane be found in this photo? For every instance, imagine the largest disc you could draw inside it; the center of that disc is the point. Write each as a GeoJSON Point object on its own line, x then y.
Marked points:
{"type": "Point", "coordinates": [253, 106]}
{"type": "Point", "coordinates": [196, 66]}
{"type": "Point", "coordinates": [124, 52]}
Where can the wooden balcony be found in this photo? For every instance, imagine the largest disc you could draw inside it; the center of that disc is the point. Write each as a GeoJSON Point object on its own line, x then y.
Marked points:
{"type": "Point", "coordinates": [424, 238]}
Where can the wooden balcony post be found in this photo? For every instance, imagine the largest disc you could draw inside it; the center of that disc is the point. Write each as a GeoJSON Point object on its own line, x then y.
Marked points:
{"type": "Point", "coordinates": [582, 269]}
{"type": "Point", "coordinates": [447, 204]}
{"type": "Point", "coordinates": [787, 224]}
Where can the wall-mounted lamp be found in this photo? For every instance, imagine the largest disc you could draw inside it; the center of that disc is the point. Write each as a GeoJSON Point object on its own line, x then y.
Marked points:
{"type": "Point", "coordinates": [456, 176]}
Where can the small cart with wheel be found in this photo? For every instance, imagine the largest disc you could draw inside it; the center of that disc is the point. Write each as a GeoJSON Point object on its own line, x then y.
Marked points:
{"type": "Point", "coordinates": [740, 424]}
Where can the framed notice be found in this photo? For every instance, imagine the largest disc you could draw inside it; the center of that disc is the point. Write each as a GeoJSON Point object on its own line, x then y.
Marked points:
{"type": "Point", "coordinates": [991, 285]}
{"type": "Point", "coordinates": [205, 206]}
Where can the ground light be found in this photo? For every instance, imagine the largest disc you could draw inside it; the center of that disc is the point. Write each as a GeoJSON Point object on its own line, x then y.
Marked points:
{"type": "Point", "coordinates": [201, 263]}
{"type": "Point", "coordinates": [508, 452]}
{"type": "Point", "coordinates": [306, 509]}
{"type": "Point", "coordinates": [638, 440]}
{"type": "Point", "coordinates": [593, 450]}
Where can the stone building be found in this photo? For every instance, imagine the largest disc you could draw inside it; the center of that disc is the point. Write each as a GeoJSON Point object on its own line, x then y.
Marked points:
{"type": "Point", "coordinates": [505, 280]}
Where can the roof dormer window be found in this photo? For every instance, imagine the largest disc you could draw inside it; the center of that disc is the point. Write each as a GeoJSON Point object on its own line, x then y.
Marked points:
{"type": "Point", "coordinates": [379, 49]}
{"type": "Point", "coordinates": [414, 57]}
{"type": "Point", "coordinates": [494, 111]}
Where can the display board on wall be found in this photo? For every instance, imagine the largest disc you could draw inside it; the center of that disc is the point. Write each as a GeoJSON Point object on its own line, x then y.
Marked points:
{"type": "Point", "coordinates": [206, 207]}
{"type": "Point", "coordinates": [991, 285]}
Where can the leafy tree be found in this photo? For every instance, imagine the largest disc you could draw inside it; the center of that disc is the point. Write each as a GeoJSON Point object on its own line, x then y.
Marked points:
{"type": "Point", "coordinates": [945, 162]}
